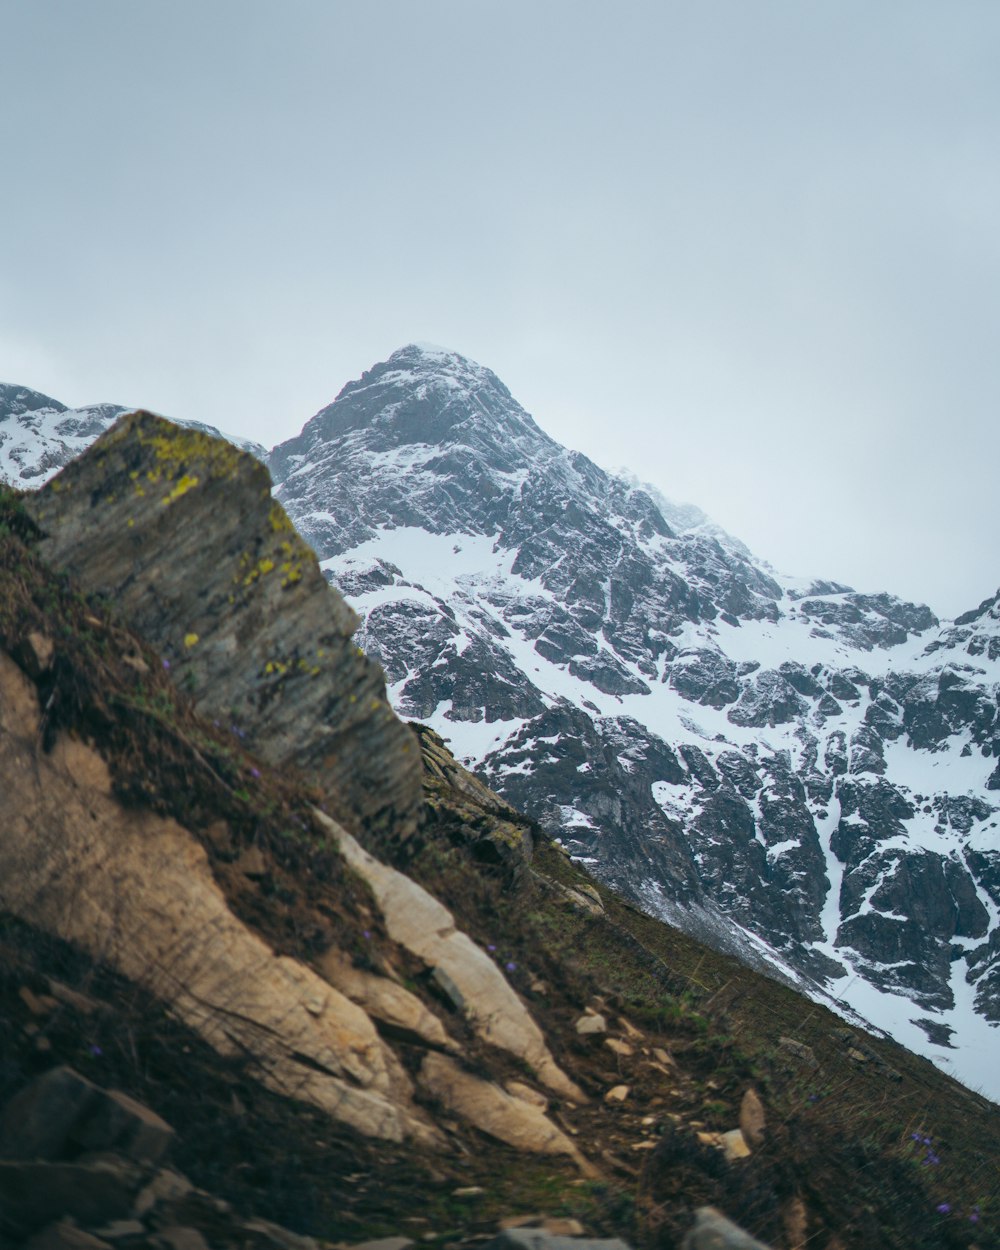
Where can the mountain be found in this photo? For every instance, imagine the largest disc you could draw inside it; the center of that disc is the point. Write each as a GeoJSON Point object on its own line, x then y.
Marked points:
{"type": "Point", "coordinates": [277, 972]}
{"type": "Point", "coordinates": [39, 435]}
{"type": "Point", "coordinates": [792, 771]}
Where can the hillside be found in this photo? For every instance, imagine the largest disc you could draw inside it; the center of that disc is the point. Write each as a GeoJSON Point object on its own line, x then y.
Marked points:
{"type": "Point", "coordinates": [181, 920]}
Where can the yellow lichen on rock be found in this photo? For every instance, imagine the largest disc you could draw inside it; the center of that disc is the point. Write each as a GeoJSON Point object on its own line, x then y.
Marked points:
{"type": "Point", "coordinates": [185, 484]}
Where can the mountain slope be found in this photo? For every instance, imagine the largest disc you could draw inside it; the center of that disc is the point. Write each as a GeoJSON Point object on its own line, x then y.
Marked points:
{"type": "Point", "coordinates": [798, 773]}
{"type": "Point", "coordinates": [739, 752]}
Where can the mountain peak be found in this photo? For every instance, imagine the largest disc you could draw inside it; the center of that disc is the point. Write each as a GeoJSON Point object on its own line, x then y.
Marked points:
{"type": "Point", "coordinates": [429, 365]}
{"type": "Point", "coordinates": [422, 396]}
{"type": "Point", "coordinates": [16, 400]}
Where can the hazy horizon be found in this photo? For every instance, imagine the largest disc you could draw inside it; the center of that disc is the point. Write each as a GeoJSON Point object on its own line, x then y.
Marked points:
{"type": "Point", "coordinates": [748, 252]}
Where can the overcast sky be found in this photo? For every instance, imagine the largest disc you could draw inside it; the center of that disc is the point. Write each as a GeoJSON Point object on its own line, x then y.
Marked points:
{"type": "Point", "coordinates": [748, 249]}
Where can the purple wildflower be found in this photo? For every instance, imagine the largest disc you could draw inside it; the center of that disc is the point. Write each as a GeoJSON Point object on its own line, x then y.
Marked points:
{"type": "Point", "coordinates": [96, 1051]}
{"type": "Point", "coordinates": [366, 934]}
{"type": "Point", "coordinates": [511, 966]}
{"type": "Point", "coordinates": [944, 1208]}
{"type": "Point", "coordinates": [974, 1217]}
{"type": "Point", "coordinates": [254, 772]}
{"type": "Point", "coordinates": [491, 948]}
{"type": "Point", "coordinates": [166, 664]}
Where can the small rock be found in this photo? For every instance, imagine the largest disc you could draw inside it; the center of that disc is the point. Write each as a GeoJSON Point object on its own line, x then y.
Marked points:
{"type": "Point", "coordinates": [627, 1027]}
{"type": "Point", "coordinates": [166, 1186]}
{"type": "Point", "coordinates": [712, 1231]}
{"type": "Point", "coordinates": [38, 1121]}
{"type": "Point", "coordinates": [63, 1236]}
{"type": "Point", "coordinates": [527, 1094]}
{"type": "Point", "coordinates": [61, 1111]}
{"type": "Point", "coordinates": [252, 862]}
{"type": "Point", "coordinates": [82, 1003]}
{"type": "Point", "coordinates": [796, 1221]}
{"type": "Point", "coordinates": [663, 1056]}
{"type": "Point", "coordinates": [563, 1227]}
{"type": "Point", "coordinates": [800, 1050]}
{"type": "Point", "coordinates": [592, 907]}
{"type": "Point", "coordinates": [753, 1121]}
{"type": "Point", "coordinates": [267, 1236]}
{"type": "Point", "coordinates": [220, 837]}
{"type": "Point", "coordinates": [117, 1230]}
{"type": "Point", "coordinates": [32, 1194]}
{"type": "Point", "coordinates": [37, 1004]}
{"type": "Point", "coordinates": [384, 1243]}
{"type": "Point", "coordinates": [617, 1093]}
{"type": "Point", "coordinates": [520, 1221]}
{"type": "Point", "coordinates": [644, 1145]}
{"type": "Point", "coordinates": [180, 1238]}
{"type": "Point", "coordinates": [38, 654]}
{"type": "Point", "coordinates": [734, 1145]}
{"type": "Point", "coordinates": [856, 1055]}
{"type": "Point", "coordinates": [468, 1191]}
{"type": "Point", "coordinates": [587, 1026]}
{"type": "Point", "coordinates": [120, 1123]}
{"type": "Point", "coordinates": [619, 1047]}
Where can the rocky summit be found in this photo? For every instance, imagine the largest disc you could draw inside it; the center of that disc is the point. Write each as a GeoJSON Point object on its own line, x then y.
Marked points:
{"type": "Point", "coordinates": [277, 970]}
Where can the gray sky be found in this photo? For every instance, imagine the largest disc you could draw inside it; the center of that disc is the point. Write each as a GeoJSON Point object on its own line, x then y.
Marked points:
{"type": "Point", "coordinates": [749, 249]}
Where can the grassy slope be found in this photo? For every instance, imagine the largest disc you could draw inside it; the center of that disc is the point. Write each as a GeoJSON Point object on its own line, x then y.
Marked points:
{"type": "Point", "coordinates": [839, 1137]}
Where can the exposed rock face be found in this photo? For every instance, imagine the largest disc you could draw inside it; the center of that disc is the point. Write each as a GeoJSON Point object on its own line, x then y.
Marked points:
{"type": "Point", "coordinates": [179, 530]}
{"type": "Point", "coordinates": [424, 926]}
{"type": "Point", "coordinates": [137, 890]}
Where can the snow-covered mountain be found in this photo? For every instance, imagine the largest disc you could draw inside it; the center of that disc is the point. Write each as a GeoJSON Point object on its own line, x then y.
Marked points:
{"type": "Point", "coordinates": [722, 744]}
{"type": "Point", "coordinates": [38, 434]}
{"type": "Point", "coordinates": [794, 770]}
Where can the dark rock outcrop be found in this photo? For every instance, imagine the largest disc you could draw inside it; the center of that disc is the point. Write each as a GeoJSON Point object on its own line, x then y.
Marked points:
{"type": "Point", "coordinates": [234, 600]}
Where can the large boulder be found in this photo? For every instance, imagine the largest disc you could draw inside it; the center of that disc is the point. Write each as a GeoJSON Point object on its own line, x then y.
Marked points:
{"type": "Point", "coordinates": [180, 531]}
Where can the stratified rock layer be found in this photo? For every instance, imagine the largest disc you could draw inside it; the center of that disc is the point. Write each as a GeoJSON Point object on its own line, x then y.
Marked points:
{"type": "Point", "coordinates": [137, 890]}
